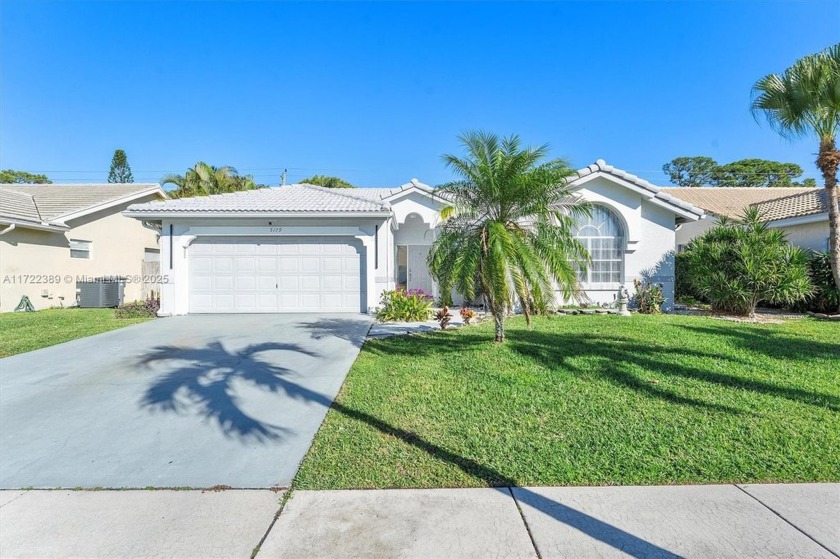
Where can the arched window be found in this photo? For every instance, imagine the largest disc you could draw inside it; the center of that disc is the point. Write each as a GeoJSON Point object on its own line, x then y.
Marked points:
{"type": "Point", "coordinates": [603, 236]}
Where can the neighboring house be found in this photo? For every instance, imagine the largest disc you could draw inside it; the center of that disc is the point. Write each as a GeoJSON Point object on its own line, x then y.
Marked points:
{"type": "Point", "coordinates": [304, 248]}
{"type": "Point", "coordinates": [53, 234]}
{"type": "Point", "coordinates": [803, 216]}
{"type": "Point", "coordinates": [727, 202]}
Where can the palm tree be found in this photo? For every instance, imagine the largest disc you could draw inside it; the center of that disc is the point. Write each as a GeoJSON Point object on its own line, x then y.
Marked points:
{"type": "Point", "coordinates": [204, 179]}
{"type": "Point", "coordinates": [805, 100]}
{"type": "Point", "coordinates": [508, 230]}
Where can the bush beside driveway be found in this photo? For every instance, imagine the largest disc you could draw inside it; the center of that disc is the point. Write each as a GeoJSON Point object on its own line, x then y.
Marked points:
{"type": "Point", "coordinates": [587, 400]}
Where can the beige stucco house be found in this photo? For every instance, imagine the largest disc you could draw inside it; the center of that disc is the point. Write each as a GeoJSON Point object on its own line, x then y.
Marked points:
{"type": "Point", "coordinates": [51, 235]}
{"type": "Point", "coordinates": [801, 212]}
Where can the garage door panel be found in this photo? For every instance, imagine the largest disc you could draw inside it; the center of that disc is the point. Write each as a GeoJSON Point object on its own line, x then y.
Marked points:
{"type": "Point", "coordinates": [309, 264]}
{"type": "Point", "coordinates": [247, 283]}
{"type": "Point", "coordinates": [288, 264]}
{"type": "Point", "coordinates": [310, 283]}
{"type": "Point", "coordinates": [275, 275]}
{"type": "Point", "coordinates": [288, 283]}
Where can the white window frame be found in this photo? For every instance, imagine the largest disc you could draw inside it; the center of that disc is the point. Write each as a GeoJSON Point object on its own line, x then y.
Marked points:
{"type": "Point", "coordinates": [81, 246]}
{"type": "Point", "coordinates": [621, 246]}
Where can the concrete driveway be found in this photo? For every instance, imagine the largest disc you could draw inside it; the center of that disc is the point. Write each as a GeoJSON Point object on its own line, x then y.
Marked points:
{"type": "Point", "coordinates": [188, 401]}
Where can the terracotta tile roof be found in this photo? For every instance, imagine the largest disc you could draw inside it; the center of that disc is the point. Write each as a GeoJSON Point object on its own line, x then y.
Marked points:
{"type": "Point", "coordinates": [295, 198]}
{"type": "Point", "coordinates": [815, 201]}
{"type": "Point", "coordinates": [50, 202]}
{"type": "Point", "coordinates": [731, 201]}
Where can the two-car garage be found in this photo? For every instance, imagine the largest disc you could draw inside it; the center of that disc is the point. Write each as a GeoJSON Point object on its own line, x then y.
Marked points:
{"type": "Point", "coordinates": [276, 274]}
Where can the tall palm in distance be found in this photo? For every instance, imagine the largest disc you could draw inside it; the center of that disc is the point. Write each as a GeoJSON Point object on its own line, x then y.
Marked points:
{"type": "Point", "coordinates": [203, 179]}
{"type": "Point", "coordinates": [804, 100]}
{"type": "Point", "coordinates": [508, 231]}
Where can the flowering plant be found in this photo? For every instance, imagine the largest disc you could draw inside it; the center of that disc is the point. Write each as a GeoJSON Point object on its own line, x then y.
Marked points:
{"type": "Point", "coordinates": [413, 305]}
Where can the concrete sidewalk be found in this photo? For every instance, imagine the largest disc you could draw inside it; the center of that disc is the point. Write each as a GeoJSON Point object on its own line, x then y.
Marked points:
{"type": "Point", "coordinates": [801, 520]}
{"type": "Point", "coordinates": [665, 521]}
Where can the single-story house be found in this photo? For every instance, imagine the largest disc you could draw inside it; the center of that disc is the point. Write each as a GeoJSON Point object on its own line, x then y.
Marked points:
{"type": "Point", "coordinates": [803, 216]}
{"type": "Point", "coordinates": [53, 234]}
{"type": "Point", "coordinates": [801, 211]}
{"type": "Point", "coordinates": [304, 248]}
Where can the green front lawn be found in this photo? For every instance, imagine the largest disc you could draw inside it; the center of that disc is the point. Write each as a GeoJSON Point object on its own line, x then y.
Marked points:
{"type": "Point", "coordinates": [21, 332]}
{"type": "Point", "coordinates": [587, 400]}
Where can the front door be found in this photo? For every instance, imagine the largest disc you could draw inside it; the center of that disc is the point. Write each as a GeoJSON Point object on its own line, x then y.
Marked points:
{"type": "Point", "coordinates": [418, 271]}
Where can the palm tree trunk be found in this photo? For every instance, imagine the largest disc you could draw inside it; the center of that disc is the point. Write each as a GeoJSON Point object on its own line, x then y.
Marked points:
{"type": "Point", "coordinates": [828, 162]}
{"type": "Point", "coordinates": [499, 319]}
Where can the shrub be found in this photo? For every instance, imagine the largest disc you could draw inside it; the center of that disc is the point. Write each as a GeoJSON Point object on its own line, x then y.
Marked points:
{"type": "Point", "coordinates": [825, 297]}
{"type": "Point", "coordinates": [444, 317]}
{"type": "Point", "coordinates": [649, 297]}
{"type": "Point", "coordinates": [738, 264]}
{"type": "Point", "coordinates": [413, 305]}
{"type": "Point", "coordinates": [139, 309]}
{"type": "Point", "coordinates": [467, 315]}
{"type": "Point", "coordinates": [683, 289]}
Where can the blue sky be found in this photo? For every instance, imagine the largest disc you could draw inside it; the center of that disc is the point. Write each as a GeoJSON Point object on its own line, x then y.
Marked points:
{"type": "Point", "coordinates": [376, 92]}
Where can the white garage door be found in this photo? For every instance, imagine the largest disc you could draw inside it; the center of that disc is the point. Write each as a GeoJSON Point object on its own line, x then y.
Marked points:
{"type": "Point", "coordinates": [250, 275]}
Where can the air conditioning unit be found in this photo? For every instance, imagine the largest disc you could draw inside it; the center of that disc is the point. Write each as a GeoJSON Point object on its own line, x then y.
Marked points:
{"type": "Point", "coordinates": [101, 292]}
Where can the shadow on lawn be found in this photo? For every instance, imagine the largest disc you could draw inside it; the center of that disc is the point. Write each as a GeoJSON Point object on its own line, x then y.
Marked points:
{"type": "Point", "coordinates": [202, 380]}
{"type": "Point", "coordinates": [632, 364]}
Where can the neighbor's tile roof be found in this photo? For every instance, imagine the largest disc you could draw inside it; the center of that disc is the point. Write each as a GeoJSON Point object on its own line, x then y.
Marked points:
{"type": "Point", "coordinates": [18, 205]}
{"type": "Point", "coordinates": [658, 192]}
{"type": "Point", "coordinates": [50, 202]}
{"type": "Point", "coordinates": [730, 201]}
{"type": "Point", "coordinates": [295, 198]}
{"type": "Point", "coordinates": [814, 201]}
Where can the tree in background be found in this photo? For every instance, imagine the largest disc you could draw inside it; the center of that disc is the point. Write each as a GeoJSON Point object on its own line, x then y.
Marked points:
{"type": "Point", "coordinates": [802, 101]}
{"type": "Point", "coordinates": [8, 176]}
{"type": "Point", "coordinates": [327, 182]}
{"type": "Point", "coordinates": [120, 169]}
{"type": "Point", "coordinates": [203, 180]}
{"type": "Point", "coordinates": [690, 171]}
{"type": "Point", "coordinates": [701, 171]}
{"type": "Point", "coordinates": [755, 172]}
{"type": "Point", "coordinates": [508, 232]}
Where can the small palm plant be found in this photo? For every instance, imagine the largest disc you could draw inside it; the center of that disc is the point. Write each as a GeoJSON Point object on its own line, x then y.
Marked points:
{"type": "Point", "coordinates": [738, 264]}
{"type": "Point", "coordinates": [507, 232]}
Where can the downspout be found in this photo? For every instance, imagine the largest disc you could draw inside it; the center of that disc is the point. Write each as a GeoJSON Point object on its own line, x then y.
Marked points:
{"type": "Point", "coordinates": [8, 229]}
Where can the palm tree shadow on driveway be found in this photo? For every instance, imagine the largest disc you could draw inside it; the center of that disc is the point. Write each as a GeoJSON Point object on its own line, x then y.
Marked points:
{"type": "Point", "coordinates": [205, 381]}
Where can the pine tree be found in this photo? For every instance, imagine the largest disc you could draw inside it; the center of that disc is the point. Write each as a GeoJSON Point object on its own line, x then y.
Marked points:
{"type": "Point", "coordinates": [120, 169]}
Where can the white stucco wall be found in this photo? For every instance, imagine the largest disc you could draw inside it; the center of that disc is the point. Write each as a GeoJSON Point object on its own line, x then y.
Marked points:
{"type": "Point", "coordinates": [175, 242]}
{"type": "Point", "coordinates": [812, 236]}
{"type": "Point", "coordinates": [686, 232]}
{"type": "Point", "coordinates": [118, 248]}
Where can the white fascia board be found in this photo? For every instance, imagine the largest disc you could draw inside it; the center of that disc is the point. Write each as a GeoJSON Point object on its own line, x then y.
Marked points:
{"type": "Point", "coordinates": [109, 204]}
{"type": "Point", "coordinates": [43, 226]}
{"type": "Point", "coordinates": [800, 220]}
{"type": "Point", "coordinates": [175, 216]}
{"type": "Point", "coordinates": [410, 189]}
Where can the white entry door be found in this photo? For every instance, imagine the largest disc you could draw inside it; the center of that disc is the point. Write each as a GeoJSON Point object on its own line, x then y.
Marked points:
{"type": "Point", "coordinates": [252, 275]}
{"type": "Point", "coordinates": [418, 270]}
